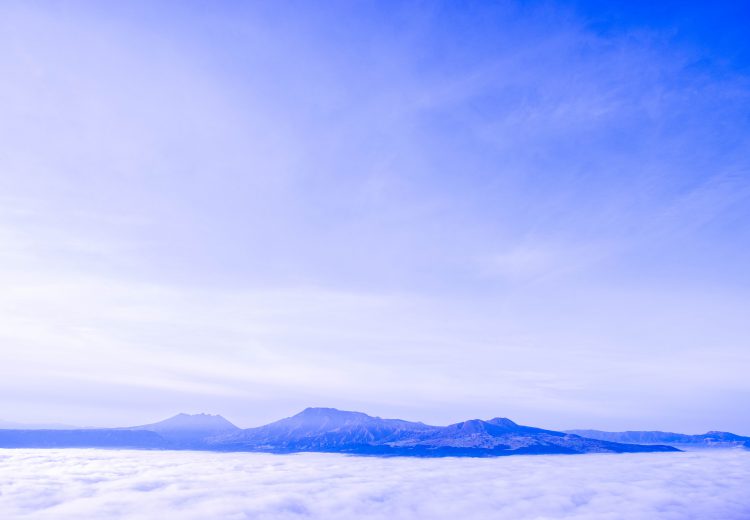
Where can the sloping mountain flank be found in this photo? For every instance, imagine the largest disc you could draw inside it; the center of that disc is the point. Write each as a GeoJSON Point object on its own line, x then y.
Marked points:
{"type": "Point", "coordinates": [320, 429]}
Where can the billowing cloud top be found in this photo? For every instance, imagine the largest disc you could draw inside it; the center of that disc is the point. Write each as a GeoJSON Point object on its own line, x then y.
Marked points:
{"type": "Point", "coordinates": [141, 485]}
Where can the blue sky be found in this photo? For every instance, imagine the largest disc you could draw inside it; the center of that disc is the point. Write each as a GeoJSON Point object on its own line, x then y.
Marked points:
{"type": "Point", "coordinates": [419, 209]}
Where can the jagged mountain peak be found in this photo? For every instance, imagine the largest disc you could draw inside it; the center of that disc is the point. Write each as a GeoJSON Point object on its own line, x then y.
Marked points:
{"type": "Point", "coordinates": [327, 418]}
{"type": "Point", "coordinates": [496, 425]}
{"type": "Point", "coordinates": [472, 425]}
{"type": "Point", "coordinates": [321, 412]}
{"type": "Point", "coordinates": [503, 422]}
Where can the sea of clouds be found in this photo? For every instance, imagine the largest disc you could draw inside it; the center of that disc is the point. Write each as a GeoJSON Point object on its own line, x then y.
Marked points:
{"type": "Point", "coordinates": [87, 483]}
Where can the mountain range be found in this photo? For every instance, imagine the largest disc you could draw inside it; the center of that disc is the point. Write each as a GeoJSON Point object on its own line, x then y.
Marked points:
{"type": "Point", "coordinates": [330, 430]}
{"type": "Point", "coordinates": [704, 440]}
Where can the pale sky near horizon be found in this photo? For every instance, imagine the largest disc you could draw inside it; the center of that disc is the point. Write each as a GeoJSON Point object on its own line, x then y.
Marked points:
{"type": "Point", "coordinates": [427, 210]}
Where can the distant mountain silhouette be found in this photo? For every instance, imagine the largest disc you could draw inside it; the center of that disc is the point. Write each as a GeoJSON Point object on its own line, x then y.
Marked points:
{"type": "Point", "coordinates": [189, 429]}
{"type": "Point", "coordinates": [707, 440]}
{"type": "Point", "coordinates": [92, 438]}
{"type": "Point", "coordinates": [330, 430]}
{"type": "Point", "coordinates": [182, 431]}
{"type": "Point", "coordinates": [8, 425]}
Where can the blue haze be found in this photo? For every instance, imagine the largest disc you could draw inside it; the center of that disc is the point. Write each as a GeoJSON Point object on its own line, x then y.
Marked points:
{"type": "Point", "coordinates": [415, 209]}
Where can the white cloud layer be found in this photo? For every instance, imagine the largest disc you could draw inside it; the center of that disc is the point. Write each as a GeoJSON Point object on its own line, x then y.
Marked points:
{"type": "Point", "coordinates": [54, 484]}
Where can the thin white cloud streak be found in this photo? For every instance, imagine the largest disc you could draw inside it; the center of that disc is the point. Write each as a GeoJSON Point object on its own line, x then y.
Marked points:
{"type": "Point", "coordinates": [141, 485]}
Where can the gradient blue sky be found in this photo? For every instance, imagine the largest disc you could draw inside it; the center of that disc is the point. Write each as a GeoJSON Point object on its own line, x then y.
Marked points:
{"type": "Point", "coordinates": [429, 210]}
